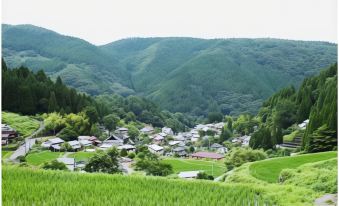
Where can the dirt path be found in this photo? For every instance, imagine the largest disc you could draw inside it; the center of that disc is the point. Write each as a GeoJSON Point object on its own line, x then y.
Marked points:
{"type": "Point", "coordinates": [326, 200]}
{"type": "Point", "coordinates": [127, 166]}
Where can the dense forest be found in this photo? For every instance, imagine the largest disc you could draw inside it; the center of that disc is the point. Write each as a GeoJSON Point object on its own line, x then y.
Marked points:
{"type": "Point", "coordinates": [315, 100]}
{"type": "Point", "coordinates": [187, 75]}
{"type": "Point", "coordinates": [28, 92]}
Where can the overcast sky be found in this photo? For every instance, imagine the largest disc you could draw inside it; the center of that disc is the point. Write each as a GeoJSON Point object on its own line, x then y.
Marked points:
{"type": "Point", "coordinates": [103, 21]}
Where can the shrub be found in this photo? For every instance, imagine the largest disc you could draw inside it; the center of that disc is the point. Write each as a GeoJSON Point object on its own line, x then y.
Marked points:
{"type": "Point", "coordinates": [239, 156]}
{"type": "Point", "coordinates": [106, 162]}
{"type": "Point", "coordinates": [123, 153]}
{"type": "Point", "coordinates": [22, 159]}
{"type": "Point", "coordinates": [205, 176]}
{"type": "Point", "coordinates": [54, 165]}
{"type": "Point", "coordinates": [131, 155]}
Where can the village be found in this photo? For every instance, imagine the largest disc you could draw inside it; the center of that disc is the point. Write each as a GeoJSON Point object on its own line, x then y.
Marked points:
{"type": "Point", "coordinates": [197, 143]}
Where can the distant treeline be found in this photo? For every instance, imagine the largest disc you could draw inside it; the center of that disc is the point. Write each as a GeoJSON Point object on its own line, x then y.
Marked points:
{"type": "Point", "coordinates": [29, 93]}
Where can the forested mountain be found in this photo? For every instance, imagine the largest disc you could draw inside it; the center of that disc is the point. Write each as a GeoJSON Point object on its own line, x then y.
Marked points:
{"type": "Point", "coordinates": [185, 75]}
{"type": "Point", "coordinates": [79, 63]}
{"type": "Point", "coordinates": [316, 100]}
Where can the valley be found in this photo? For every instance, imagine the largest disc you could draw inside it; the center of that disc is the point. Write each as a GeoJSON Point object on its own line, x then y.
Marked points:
{"type": "Point", "coordinates": [167, 121]}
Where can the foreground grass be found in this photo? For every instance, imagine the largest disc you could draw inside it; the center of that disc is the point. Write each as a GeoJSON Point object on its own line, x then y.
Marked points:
{"type": "Point", "coordinates": [282, 195]}
{"type": "Point", "coordinates": [39, 158]}
{"type": "Point", "coordinates": [319, 176]}
{"type": "Point", "coordinates": [300, 186]}
{"type": "Point", "coordinates": [269, 170]}
{"type": "Point", "coordinates": [23, 124]}
{"type": "Point", "coordinates": [25, 186]}
{"type": "Point", "coordinates": [216, 168]}
{"type": "Point", "coordinates": [81, 156]}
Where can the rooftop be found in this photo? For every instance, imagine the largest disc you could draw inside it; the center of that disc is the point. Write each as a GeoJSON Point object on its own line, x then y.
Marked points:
{"type": "Point", "coordinates": [188, 174]}
{"type": "Point", "coordinates": [56, 140]}
{"type": "Point", "coordinates": [211, 155]}
{"type": "Point", "coordinates": [155, 147]}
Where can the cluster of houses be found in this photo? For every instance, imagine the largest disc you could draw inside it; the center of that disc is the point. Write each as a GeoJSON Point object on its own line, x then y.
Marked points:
{"type": "Point", "coordinates": [165, 142]}
{"type": "Point", "coordinates": [243, 140]}
{"type": "Point", "coordinates": [83, 141]}
{"type": "Point", "coordinates": [7, 134]}
{"type": "Point", "coordinates": [178, 144]}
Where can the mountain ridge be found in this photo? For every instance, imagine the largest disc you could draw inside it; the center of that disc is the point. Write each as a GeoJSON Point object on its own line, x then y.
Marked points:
{"type": "Point", "coordinates": [181, 74]}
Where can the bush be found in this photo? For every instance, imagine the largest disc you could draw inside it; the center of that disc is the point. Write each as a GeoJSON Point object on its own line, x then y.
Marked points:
{"type": "Point", "coordinates": [203, 175]}
{"type": "Point", "coordinates": [54, 165]}
{"type": "Point", "coordinates": [319, 176]}
{"type": "Point", "coordinates": [106, 162]}
{"type": "Point", "coordinates": [22, 158]}
{"type": "Point", "coordinates": [279, 152]}
{"type": "Point", "coordinates": [131, 155]}
{"type": "Point", "coordinates": [123, 153]}
{"type": "Point", "coordinates": [151, 164]}
{"type": "Point", "coordinates": [238, 156]}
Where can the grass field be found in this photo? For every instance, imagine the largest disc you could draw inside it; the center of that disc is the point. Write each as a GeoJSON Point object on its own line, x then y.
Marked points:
{"type": "Point", "coordinates": [6, 154]}
{"type": "Point", "coordinates": [23, 124]}
{"type": "Point", "coordinates": [269, 170]}
{"type": "Point", "coordinates": [180, 165]}
{"type": "Point", "coordinates": [26, 186]}
{"type": "Point", "coordinates": [320, 176]}
{"type": "Point", "coordinates": [40, 157]}
{"type": "Point", "coordinates": [81, 156]}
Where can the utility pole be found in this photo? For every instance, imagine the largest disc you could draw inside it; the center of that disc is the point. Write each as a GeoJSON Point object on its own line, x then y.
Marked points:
{"type": "Point", "coordinates": [213, 168]}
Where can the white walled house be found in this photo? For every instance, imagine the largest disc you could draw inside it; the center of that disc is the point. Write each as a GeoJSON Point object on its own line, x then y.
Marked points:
{"type": "Point", "coordinates": [167, 130]}
{"type": "Point", "coordinates": [156, 149]}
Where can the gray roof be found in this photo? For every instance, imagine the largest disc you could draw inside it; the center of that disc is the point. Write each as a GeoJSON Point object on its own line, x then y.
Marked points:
{"type": "Point", "coordinates": [56, 141]}
{"type": "Point", "coordinates": [216, 145]}
{"type": "Point", "coordinates": [69, 162]}
{"type": "Point", "coordinates": [66, 160]}
{"type": "Point", "coordinates": [56, 146]}
{"type": "Point", "coordinates": [188, 174]}
{"type": "Point", "coordinates": [179, 149]}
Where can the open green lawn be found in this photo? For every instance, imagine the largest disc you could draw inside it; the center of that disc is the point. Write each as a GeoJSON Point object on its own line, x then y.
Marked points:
{"type": "Point", "coordinates": [180, 165]}
{"type": "Point", "coordinates": [81, 156]}
{"type": "Point", "coordinates": [25, 125]}
{"type": "Point", "coordinates": [269, 170]}
{"type": "Point", "coordinates": [41, 157]}
{"type": "Point", "coordinates": [6, 154]}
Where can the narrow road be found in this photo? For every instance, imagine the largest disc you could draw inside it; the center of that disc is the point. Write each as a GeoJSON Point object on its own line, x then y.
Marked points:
{"type": "Point", "coordinates": [127, 166]}
{"type": "Point", "coordinates": [28, 144]}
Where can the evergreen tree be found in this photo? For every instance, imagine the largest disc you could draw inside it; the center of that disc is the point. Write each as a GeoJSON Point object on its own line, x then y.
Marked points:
{"type": "Point", "coordinates": [52, 103]}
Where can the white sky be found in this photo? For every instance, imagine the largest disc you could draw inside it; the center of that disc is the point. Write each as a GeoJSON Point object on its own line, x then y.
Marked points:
{"type": "Point", "coordinates": [103, 21]}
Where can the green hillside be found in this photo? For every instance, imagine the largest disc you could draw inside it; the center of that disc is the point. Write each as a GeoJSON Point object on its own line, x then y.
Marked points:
{"type": "Point", "coordinates": [187, 74]}
{"type": "Point", "coordinates": [303, 178]}
{"type": "Point", "coordinates": [24, 186]}
{"type": "Point", "coordinates": [79, 63]}
{"type": "Point", "coordinates": [315, 101]}
{"type": "Point", "coordinates": [180, 74]}
{"type": "Point", "coordinates": [269, 170]}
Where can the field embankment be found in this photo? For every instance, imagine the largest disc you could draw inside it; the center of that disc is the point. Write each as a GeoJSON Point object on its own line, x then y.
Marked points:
{"type": "Point", "coordinates": [269, 170]}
